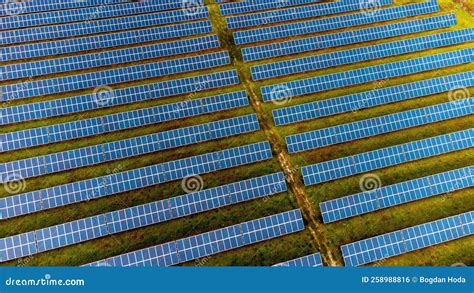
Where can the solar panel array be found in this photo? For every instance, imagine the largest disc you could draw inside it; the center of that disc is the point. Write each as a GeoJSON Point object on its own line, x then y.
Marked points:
{"type": "Point", "coordinates": [366, 74]}
{"type": "Point", "coordinates": [206, 244]}
{"type": "Point", "coordinates": [390, 156]}
{"type": "Point", "coordinates": [408, 240]}
{"type": "Point", "coordinates": [332, 23]}
{"type": "Point", "coordinates": [126, 148]}
{"type": "Point", "coordinates": [312, 260]}
{"type": "Point", "coordinates": [300, 12]}
{"type": "Point", "coordinates": [107, 58]}
{"type": "Point", "coordinates": [89, 13]}
{"type": "Point", "coordinates": [97, 42]}
{"type": "Point", "coordinates": [109, 77]}
{"type": "Point", "coordinates": [396, 194]}
{"type": "Point", "coordinates": [70, 30]}
{"type": "Point", "coordinates": [301, 65]}
{"type": "Point", "coordinates": [250, 6]}
{"type": "Point", "coordinates": [379, 125]}
{"type": "Point", "coordinates": [302, 45]}
{"type": "Point", "coordinates": [372, 98]}
{"type": "Point", "coordinates": [139, 216]}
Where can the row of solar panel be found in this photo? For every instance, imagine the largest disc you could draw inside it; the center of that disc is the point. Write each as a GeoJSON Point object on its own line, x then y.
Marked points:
{"type": "Point", "coordinates": [409, 239]}
{"type": "Point", "coordinates": [126, 148]}
{"type": "Point", "coordinates": [313, 260]}
{"type": "Point", "coordinates": [379, 125]}
{"type": "Point", "coordinates": [368, 53]}
{"type": "Point", "coordinates": [390, 156]}
{"type": "Point", "coordinates": [92, 13]}
{"type": "Point", "coordinates": [94, 188]}
{"type": "Point", "coordinates": [61, 235]}
{"type": "Point", "coordinates": [347, 37]}
{"type": "Point", "coordinates": [23, 7]}
{"type": "Point", "coordinates": [69, 30]}
{"type": "Point", "coordinates": [365, 74]}
{"type": "Point", "coordinates": [206, 244]}
{"type": "Point", "coordinates": [377, 97]}
{"type": "Point", "coordinates": [301, 12]}
{"type": "Point", "coordinates": [393, 195]}
{"type": "Point", "coordinates": [250, 6]}
{"type": "Point", "coordinates": [100, 125]}
{"type": "Point", "coordinates": [107, 58]}
{"type": "Point", "coordinates": [332, 23]}
{"type": "Point", "coordinates": [89, 43]}
{"type": "Point", "coordinates": [167, 112]}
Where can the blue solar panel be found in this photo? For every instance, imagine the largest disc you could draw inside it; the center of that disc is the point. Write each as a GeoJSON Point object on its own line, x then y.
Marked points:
{"type": "Point", "coordinates": [407, 240]}
{"type": "Point", "coordinates": [381, 158]}
{"type": "Point", "coordinates": [206, 244]}
{"type": "Point", "coordinates": [17, 246]}
{"type": "Point", "coordinates": [66, 46]}
{"type": "Point", "coordinates": [372, 98]}
{"type": "Point", "coordinates": [332, 23]}
{"type": "Point", "coordinates": [283, 15]}
{"type": "Point", "coordinates": [392, 195]}
{"type": "Point", "coordinates": [333, 59]}
{"type": "Point", "coordinates": [70, 30]}
{"type": "Point", "coordinates": [379, 125]}
{"type": "Point", "coordinates": [128, 55]}
{"type": "Point", "coordinates": [347, 37]}
{"type": "Point", "coordinates": [366, 74]}
{"type": "Point", "coordinates": [89, 13]}
{"type": "Point", "coordinates": [134, 179]}
{"type": "Point", "coordinates": [312, 260]}
{"type": "Point", "coordinates": [250, 6]}
{"type": "Point", "coordinates": [111, 76]}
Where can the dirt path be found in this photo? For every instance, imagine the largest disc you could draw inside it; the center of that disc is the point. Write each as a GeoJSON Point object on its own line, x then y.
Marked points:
{"type": "Point", "coordinates": [278, 147]}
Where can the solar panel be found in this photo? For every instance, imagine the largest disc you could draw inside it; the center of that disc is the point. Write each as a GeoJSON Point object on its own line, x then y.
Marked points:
{"type": "Point", "coordinates": [108, 77]}
{"type": "Point", "coordinates": [312, 260]}
{"type": "Point", "coordinates": [283, 15]}
{"type": "Point", "coordinates": [97, 42]}
{"type": "Point", "coordinates": [332, 23]}
{"type": "Point", "coordinates": [17, 246]}
{"type": "Point", "coordinates": [250, 6]}
{"type": "Point", "coordinates": [390, 156]}
{"type": "Point", "coordinates": [366, 74]}
{"type": "Point", "coordinates": [379, 125]}
{"type": "Point", "coordinates": [126, 148]}
{"type": "Point", "coordinates": [70, 30]}
{"type": "Point", "coordinates": [409, 239]}
{"type": "Point", "coordinates": [347, 37]}
{"type": "Point", "coordinates": [157, 114]}
{"type": "Point", "coordinates": [372, 98]}
{"type": "Point", "coordinates": [89, 13]}
{"type": "Point", "coordinates": [333, 59]}
{"type": "Point", "coordinates": [396, 194]}
{"type": "Point", "coordinates": [206, 244]}
{"type": "Point", "coordinates": [107, 58]}
{"type": "Point", "coordinates": [134, 179]}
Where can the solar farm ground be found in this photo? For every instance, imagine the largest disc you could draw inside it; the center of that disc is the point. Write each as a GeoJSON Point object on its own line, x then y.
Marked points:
{"type": "Point", "coordinates": [317, 237]}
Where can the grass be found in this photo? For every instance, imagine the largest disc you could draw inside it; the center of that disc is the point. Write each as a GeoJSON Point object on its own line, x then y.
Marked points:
{"type": "Point", "coordinates": [276, 250]}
